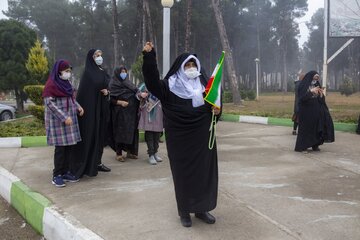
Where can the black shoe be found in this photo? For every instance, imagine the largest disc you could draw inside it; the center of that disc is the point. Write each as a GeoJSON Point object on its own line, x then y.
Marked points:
{"type": "Point", "coordinates": [294, 132]}
{"type": "Point", "coordinates": [206, 217]}
{"type": "Point", "coordinates": [186, 221]}
{"type": "Point", "coordinates": [316, 149]}
{"type": "Point", "coordinates": [103, 168]}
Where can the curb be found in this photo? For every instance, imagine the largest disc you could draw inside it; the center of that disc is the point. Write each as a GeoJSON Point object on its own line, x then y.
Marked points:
{"type": "Point", "coordinates": [40, 213]}
{"type": "Point", "coordinates": [37, 141]}
{"type": "Point", "coordinates": [344, 127]}
{"type": "Point", "coordinates": [40, 141]}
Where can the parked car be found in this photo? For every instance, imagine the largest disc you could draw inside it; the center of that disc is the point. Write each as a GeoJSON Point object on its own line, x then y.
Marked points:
{"type": "Point", "coordinates": [6, 112]}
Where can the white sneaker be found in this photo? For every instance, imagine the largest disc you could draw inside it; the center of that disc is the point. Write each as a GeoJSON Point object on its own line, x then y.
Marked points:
{"type": "Point", "coordinates": [157, 158]}
{"type": "Point", "coordinates": [152, 160]}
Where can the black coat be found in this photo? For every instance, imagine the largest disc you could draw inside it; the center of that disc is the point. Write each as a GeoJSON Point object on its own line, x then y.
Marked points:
{"type": "Point", "coordinates": [124, 120]}
{"type": "Point", "coordinates": [315, 123]}
{"type": "Point", "coordinates": [86, 155]}
{"type": "Point", "coordinates": [193, 165]}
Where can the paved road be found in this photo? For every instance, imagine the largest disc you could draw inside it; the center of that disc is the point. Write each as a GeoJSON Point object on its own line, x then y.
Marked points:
{"type": "Point", "coordinates": [12, 226]}
{"type": "Point", "coordinates": [266, 190]}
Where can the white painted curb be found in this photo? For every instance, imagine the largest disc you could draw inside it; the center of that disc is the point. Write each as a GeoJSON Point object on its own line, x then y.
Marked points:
{"type": "Point", "coordinates": [57, 225]}
{"type": "Point", "coordinates": [254, 119]}
{"type": "Point", "coordinates": [6, 180]}
{"type": "Point", "coordinates": [64, 226]}
{"type": "Point", "coordinates": [10, 142]}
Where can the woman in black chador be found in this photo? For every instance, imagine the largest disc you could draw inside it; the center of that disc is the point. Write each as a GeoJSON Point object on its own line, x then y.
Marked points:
{"type": "Point", "coordinates": [124, 114]}
{"type": "Point", "coordinates": [315, 123]}
{"type": "Point", "coordinates": [93, 97]}
{"type": "Point", "coordinates": [187, 120]}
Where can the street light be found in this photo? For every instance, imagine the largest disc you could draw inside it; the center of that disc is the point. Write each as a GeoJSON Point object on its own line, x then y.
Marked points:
{"type": "Point", "coordinates": [257, 61]}
{"type": "Point", "coordinates": [167, 4]}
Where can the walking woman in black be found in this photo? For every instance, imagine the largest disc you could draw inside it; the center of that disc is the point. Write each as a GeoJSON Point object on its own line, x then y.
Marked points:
{"type": "Point", "coordinates": [94, 98]}
{"type": "Point", "coordinates": [315, 123]}
{"type": "Point", "coordinates": [186, 120]}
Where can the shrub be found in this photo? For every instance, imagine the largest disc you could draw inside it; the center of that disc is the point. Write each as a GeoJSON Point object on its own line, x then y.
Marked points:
{"type": "Point", "coordinates": [37, 111]}
{"type": "Point", "coordinates": [227, 97]}
{"type": "Point", "coordinates": [251, 95]}
{"type": "Point", "coordinates": [35, 93]}
{"type": "Point", "coordinates": [347, 87]}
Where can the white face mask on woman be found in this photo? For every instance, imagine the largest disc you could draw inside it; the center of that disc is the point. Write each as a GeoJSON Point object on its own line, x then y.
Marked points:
{"type": "Point", "coordinates": [65, 75]}
{"type": "Point", "coordinates": [98, 60]}
{"type": "Point", "coordinates": [192, 73]}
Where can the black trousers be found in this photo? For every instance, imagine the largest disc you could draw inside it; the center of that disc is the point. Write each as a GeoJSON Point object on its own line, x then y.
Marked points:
{"type": "Point", "coordinates": [358, 127]}
{"type": "Point", "coordinates": [152, 141]}
{"type": "Point", "coordinates": [61, 160]}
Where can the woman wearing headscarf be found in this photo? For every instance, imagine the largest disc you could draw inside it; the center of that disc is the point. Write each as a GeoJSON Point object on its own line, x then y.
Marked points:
{"type": "Point", "coordinates": [93, 96]}
{"type": "Point", "coordinates": [295, 117]}
{"type": "Point", "coordinates": [186, 121]}
{"type": "Point", "coordinates": [315, 123]}
{"type": "Point", "coordinates": [124, 114]}
{"type": "Point", "coordinates": [61, 122]}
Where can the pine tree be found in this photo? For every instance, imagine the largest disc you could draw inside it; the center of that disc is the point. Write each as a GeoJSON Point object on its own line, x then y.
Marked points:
{"type": "Point", "coordinates": [37, 63]}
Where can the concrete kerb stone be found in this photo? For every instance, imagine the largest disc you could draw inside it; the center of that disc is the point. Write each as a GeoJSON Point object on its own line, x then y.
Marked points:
{"type": "Point", "coordinates": [40, 213]}
{"type": "Point", "coordinates": [39, 141]}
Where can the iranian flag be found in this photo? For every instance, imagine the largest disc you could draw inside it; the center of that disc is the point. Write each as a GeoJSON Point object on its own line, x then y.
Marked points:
{"type": "Point", "coordinates": [213, 88]}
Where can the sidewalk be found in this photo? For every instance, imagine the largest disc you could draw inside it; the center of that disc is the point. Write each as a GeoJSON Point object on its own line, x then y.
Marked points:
{"type": "Point", "coordinates": [266, 191]}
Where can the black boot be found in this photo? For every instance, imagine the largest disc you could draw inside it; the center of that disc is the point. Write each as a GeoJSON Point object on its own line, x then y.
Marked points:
{"type": "Point", "coordinates": [206, 217]}
{"type": "Point", "coordinates": [185, 220]}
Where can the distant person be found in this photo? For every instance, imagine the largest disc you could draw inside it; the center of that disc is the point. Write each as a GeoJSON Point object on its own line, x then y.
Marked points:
{"type": "Point", "coordinates": [295, 117]}
{"type": "Point", "coordinates": [151, 121]}
{"type": "Point", "coordinates": [125, 98]}
{"type": "Point", "coordinates": [187, 120]}
{"type": "Point", "coordinates": [315, 123]}
{"type": "Point", "coordinates": [93, 96]}
{"type": "Point", "coordinates": [61, 122]}
{"type": "Point", "coordinates": [358, 127]}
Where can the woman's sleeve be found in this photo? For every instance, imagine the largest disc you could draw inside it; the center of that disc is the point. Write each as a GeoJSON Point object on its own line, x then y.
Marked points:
{"type": "Point", "coordinates": [57, 112]}
{"type": "Point", "coordinates": [152, 76]}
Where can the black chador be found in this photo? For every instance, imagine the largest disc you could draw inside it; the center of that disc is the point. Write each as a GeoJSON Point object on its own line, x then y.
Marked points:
{"type": "Point", "coordinates": [194, 166]}
{"type": "Point", "coordinates": [86, 155]}
{"type": "Point", "coordinates": [315, 123]}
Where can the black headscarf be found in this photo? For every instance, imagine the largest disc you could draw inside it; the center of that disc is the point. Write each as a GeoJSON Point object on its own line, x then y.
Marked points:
{"type": "Point", "coordinates": [306, 83]}
{"type": "Point", "coordinates": [121, 87]}
{"type": "Point", "coordinates": [177, 64]}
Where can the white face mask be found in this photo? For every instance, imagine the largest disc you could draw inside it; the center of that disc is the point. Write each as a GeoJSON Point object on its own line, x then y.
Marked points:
{"type": "Point", "coordinates": [98, 60]}
{"type": "Point", "coordinates": [65, 75]}
{"type": "Point", "coordinates": [192, 73]}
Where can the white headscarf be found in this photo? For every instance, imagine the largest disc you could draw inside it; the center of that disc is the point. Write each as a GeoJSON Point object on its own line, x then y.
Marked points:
{"type": "Point", "coordinates": [186, 88]}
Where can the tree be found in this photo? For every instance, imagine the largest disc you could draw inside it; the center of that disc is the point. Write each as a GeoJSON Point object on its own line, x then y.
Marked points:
{"type": "Point", "coordinates": [37, 63]}
{"type": "Point", "coordinates": [116, 33]}
{"type": "Point", "coordinates": [188, 25]}
{"type": "Point", "coordinates": [16, 39]}
{"type": "Point", "coordinates": [226, 46]}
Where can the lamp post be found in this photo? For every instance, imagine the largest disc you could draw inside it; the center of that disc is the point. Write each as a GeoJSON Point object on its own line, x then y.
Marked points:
{"type": "Point", "coordinates": [167, 4]}
{"type": "Point", "coordinates": [257, 61]}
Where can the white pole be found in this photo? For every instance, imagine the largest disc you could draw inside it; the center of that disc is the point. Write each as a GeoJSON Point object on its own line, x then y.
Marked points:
{"type": "Point", "coordinates": [166, 41]}
{"type": "Point", "coordinates": [257, 77]}
{"type": "Point", "coordinates": [326, 25]}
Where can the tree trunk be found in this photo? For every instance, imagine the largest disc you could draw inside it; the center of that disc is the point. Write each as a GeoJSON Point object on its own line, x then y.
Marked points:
{"type": "Point", "coordinates": [116, 34]}
{"type": "Point", "coordinates": [284, 88]}
{"type": "Point", "coordinates": [228, 54]}
{"type": "Point", "coordinates": [19, 101]}
{"type": "Point", "coordinates": [149, 24]}
{"type": "Point", "coordinates": [188, 26]}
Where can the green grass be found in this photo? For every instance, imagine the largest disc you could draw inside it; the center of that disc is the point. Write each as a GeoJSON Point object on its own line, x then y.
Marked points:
{"type": "Point", "coordinates": [277, 106]}
{"type": "Point", "coordinates": [281, 105]}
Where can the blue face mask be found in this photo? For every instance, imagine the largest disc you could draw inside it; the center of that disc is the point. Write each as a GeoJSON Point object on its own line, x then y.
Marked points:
{"type": "Point", "coordinates": [123, 76]}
